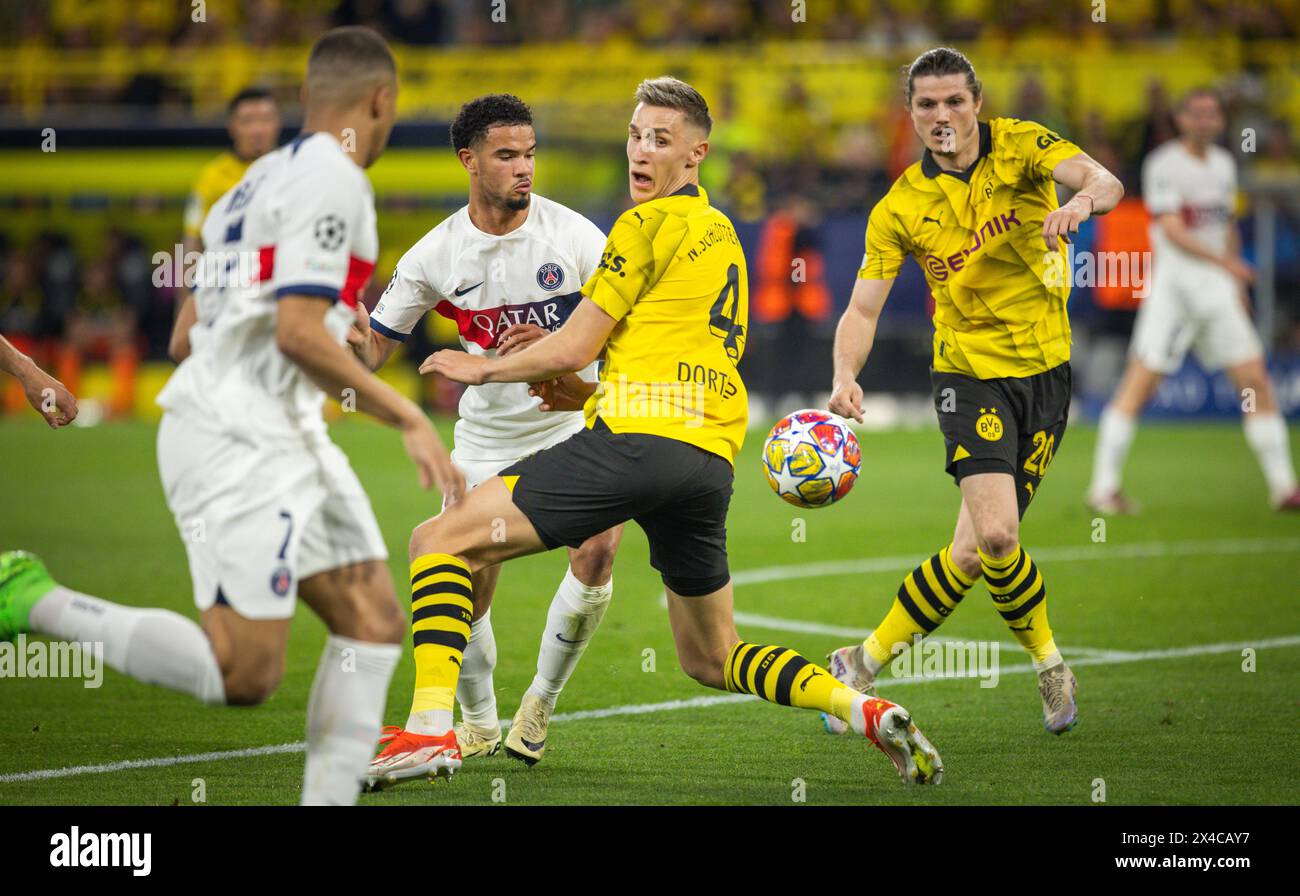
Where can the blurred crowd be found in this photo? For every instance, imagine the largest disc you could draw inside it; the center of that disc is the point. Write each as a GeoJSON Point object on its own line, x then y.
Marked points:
{"type": "Point", "coordinates": [797, 191]}
{"type": "Point", "coordinates": [66, 308]}
{"type": "Point", "coordinates": [878, 23]}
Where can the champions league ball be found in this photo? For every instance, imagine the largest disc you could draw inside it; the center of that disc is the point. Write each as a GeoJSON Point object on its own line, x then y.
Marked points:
{"type": "Point", "coordinates": [811, 458]}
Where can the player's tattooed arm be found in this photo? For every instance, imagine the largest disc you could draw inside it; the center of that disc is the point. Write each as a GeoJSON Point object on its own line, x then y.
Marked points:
{"type": "Point", "coordinates": [854, 336]}
{"type": "Point", "coordinates": [1096, 191]}
{"type": "Point", "coordinates": [49, 397]}
{"type": "Point", "coordinates": [570, 348]}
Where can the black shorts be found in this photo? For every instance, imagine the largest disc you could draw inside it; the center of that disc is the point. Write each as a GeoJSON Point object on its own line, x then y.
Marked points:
{"type": "Point", "coordinates": [677, 493]}
{"type": "Point", "coordinates": [1007, 425]}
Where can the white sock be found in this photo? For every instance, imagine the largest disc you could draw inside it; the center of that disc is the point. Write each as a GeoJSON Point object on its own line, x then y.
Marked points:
{"type": "Point", "coordinates": [474, 693]}
{"type": "Point", "coordinates": [1266, 433]}
{"type": "Point", "coordinates": [858, 718]}
{"type": "Point", "coordinates": [576, 611]}
{"type": "Point", "coordinates": [1114, 436]}
{"type": "Point", "coordinates": [151, 645]}
{"type": "Point", "coordinates": [344, 716]}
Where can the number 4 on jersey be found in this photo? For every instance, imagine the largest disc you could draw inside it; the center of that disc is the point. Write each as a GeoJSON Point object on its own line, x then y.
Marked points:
{"type": "Point", "coordinates": [723, 314]}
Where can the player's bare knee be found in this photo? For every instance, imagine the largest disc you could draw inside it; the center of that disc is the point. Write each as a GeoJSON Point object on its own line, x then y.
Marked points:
{"type": "Point", "coordinates": [999, 540]}
{"type": "Point", "coordinates": [380, 623]}
{"type": "Point", "coordinates": [371, 614]}
{"type": "Point", "coordinates": [594, 563]}
{"type": "Point", "coordinates": [441, 536]}
{"type": "Point", "coordinates": [967, 560]}
{"type": "Point", "coordinates": [705, 669]}
{"type": "Point", "coordinates": [252, 682]}
{"type": "Point", "coordinates": [424, 537]}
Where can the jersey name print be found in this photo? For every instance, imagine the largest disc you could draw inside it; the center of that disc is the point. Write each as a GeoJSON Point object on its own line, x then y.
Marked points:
{"type": "Point", "coordinates": [673, 275]}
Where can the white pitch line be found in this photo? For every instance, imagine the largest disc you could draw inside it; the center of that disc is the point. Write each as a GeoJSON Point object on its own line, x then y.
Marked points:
{"type": "Point", "coordinates": [160, 762]}
{"type": "Point", "coordinates": [1087, 656]}
{"type": "Point", "coordinates": [643, 708]}
{"type": "Point", "coordinates": [777, 623]}
{"type": "Point", "coordinates": [1059, 554]}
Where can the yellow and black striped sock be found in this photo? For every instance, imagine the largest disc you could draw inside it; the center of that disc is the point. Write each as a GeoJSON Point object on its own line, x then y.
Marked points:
{"type": "Point", "coordinates": [926, 598]}
{"type": "Point", "coordinates": [1018, 589]}
{"type": "Point", "coordinates": [442, 606]}
{"type": "Point", "coordinates": [781, 675]}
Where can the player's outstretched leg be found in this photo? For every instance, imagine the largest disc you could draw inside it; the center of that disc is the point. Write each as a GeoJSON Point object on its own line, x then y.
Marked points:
{"type": "Point", "coordinates": [712, 653]}
{"type": "Point", "coordinates": [576, 610]}
{"type": "Point", "coordinates": [442, 609]}
{"type": "Point", "coordinates": [151, 645]}
{"type": "Point", "coordinates": [442, 606]}
{"type": "Point", "coordinates": [926, 598]}
{"type": "Point", "coordinates": [479, 731]}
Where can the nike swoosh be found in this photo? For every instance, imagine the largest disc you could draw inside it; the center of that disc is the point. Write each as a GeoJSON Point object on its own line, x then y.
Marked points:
{"type": "Point", "coordinates": [535, 747]}
{"type": "Point", "coordinates": [461, 292]}
{"type": "Point", "coordinates": [560, 637]}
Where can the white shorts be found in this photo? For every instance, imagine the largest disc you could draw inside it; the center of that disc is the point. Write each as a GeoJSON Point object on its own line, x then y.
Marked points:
{"type": "Point", "coordinates": [479, 471]}
{"type": "Point", "coordinates": [1193, 305]}
{"type": "Point", "coordinates": [257, 521]}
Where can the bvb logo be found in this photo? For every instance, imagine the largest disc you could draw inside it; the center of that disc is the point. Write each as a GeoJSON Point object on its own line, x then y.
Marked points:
{"type": "Point", "coordinates": [988, 425]}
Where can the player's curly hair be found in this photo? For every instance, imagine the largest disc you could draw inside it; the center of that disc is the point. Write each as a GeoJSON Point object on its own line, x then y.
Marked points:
{"type": "Point", "coordinates": [478, 116]}
{"type": "Point", "coordinates": [938, 62]}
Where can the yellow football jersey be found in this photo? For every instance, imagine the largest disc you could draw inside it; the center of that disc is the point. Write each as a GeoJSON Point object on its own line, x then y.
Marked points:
{"type": "Point", "coordinates": [214, 181]}
{"type": "Point", "coordinates": [673, 276]}
{"type": "Point", "coordinates": [999, 294]}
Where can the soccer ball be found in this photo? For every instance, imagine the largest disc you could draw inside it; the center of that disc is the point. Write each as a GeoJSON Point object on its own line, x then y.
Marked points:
{"type": "Point", "coordinates": [811, 458]}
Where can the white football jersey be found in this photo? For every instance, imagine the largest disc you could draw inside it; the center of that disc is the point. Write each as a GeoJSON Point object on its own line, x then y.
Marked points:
{"type": "Point", "coordinates": [487, 283]}
{"type": "Point", "coordinates": [302, 222]}
{"type": "Point", "coordinates": [1203, 192]}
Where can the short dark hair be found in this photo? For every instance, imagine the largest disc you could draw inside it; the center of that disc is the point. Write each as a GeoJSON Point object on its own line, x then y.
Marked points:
{"type": "Point", "coordinates": [478, 116]}
{"type": "Point", "coordinates": [938, 62]}
{"type": "Point", "coordinates": [249, 94]}
{"type": "Point", "coordinates": [671, 93]}
{"type": "Point", "coordinates": [345, 61]}
{"type": "Point", "coordinates": [1195, 93]}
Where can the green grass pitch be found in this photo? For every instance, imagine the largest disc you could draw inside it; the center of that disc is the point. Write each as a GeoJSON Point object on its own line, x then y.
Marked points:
{"type": "Point", "coordinates": [1155, 619]}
